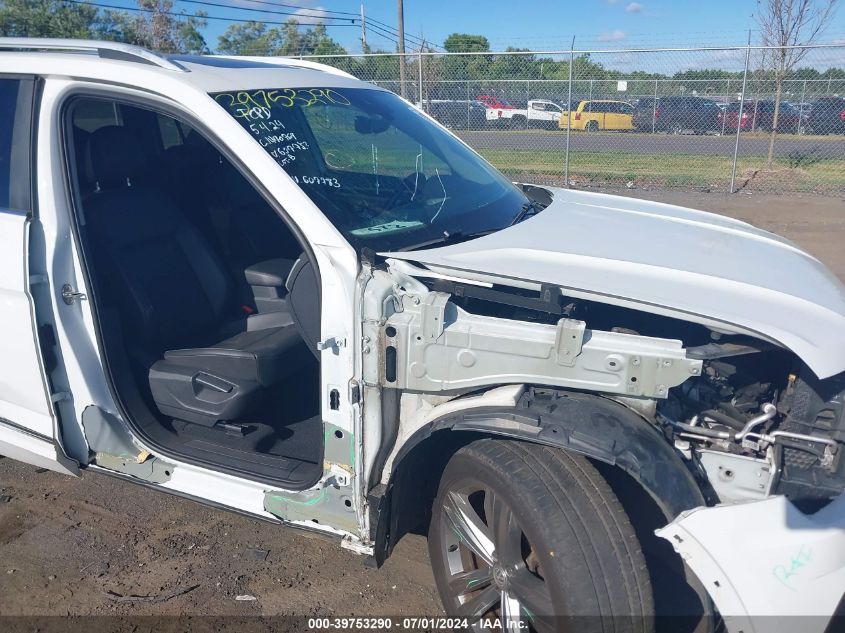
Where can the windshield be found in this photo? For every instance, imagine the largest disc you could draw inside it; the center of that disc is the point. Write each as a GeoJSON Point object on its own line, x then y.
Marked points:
{"type": "Point", "coordinates": [384, 175]}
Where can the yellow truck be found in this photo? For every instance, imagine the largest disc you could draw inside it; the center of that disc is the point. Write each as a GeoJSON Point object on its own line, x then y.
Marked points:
{"type": "Point", "coordinates": [600, 114]}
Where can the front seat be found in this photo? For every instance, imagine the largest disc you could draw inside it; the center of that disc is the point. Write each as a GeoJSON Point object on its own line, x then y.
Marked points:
{"type": "Point", "coordinates": [204, 361]}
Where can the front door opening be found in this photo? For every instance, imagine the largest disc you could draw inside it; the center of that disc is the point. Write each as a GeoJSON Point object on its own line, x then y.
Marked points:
{"type": "Point", "coordinates": [206, 303]}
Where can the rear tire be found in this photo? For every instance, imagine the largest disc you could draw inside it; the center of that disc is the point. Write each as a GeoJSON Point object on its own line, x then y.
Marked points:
{"type": "Point", "coordinates": [592, 126]}
{"type": "Point", "coordinates": [525, 531]}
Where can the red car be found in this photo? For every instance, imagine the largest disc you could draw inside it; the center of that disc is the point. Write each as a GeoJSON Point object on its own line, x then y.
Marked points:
{"type": "Point", "coordinates": [758, 115]}
{"type": "Point", "coordinates": [494, 102]}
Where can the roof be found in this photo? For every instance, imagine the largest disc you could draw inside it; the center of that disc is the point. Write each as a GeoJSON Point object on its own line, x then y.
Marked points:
{"type": "Point", "coordinates": [209, 73]}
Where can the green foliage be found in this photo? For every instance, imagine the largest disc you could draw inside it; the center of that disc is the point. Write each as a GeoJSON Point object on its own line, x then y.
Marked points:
{"type": "Point", "coordinates": [465, 43]}
{"type": "Point", "coordinates": [158, 27]}
{"type": "Point", "coordinates": [255, 38]}
{"type": "Point", "coordinates": [48, 18]}
{"type": "Point", "coordinates": [249, 38]}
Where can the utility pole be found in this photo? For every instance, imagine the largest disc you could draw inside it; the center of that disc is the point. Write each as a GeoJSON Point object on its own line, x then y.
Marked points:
{"type": "Point", "coordinates": [363, 30]}
{"type": "Point", "coordinates": [403, 91]}
{"type": "Point", "coordinates": [420, 63]}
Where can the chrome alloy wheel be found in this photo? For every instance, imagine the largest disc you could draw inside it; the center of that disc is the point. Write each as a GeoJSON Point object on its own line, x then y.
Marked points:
{"type": "Point", "coordinates": [493, 569]}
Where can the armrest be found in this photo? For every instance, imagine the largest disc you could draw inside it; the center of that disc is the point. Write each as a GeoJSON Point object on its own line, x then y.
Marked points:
{"type": "Point", "coordinates": [272, 273]}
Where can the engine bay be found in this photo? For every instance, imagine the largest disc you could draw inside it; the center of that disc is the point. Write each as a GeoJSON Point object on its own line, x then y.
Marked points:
{"type": "Point", "coordinates": [756, 421]}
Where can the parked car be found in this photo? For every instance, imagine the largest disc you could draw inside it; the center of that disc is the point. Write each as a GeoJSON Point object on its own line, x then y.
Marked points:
{"type": "Point", "coordinates": [803, 108]}
{"type": "Point", "coordinates": [459, 115]}
{"type": "Point", "coordinates": [828, 116]}
{"type": "Point", "coordinates": [537, 113]}
{"type": "Point", "coordinates": [677, 115]}
{"type": "Point", "coordinates": [759, 115]}
{"type": "Point", "coordinates": [494, 102]}
{"type": "Point", "coordinates": [600, 114]}
{"type": "Point", "coordinates": [268, 286]}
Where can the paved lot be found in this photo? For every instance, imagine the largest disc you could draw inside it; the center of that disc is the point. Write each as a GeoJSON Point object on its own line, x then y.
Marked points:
{"type": "Point", "coordinates": [66, 543]}
{"type": "Point", "coordinates": [629, 142]}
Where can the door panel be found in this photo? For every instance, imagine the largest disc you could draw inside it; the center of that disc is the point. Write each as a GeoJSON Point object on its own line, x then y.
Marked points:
{"type": "Point", "coordinates": [23, 398]}
{"type": "Point", "coordinates": [28, 429]}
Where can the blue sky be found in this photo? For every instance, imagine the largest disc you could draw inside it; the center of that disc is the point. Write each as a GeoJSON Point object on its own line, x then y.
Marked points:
{"type": "Point", "coordinates": [535, 24]}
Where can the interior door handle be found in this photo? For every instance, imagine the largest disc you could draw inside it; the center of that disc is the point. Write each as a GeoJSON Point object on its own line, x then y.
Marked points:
{"type": "Point", "coordinates": [69, 295]}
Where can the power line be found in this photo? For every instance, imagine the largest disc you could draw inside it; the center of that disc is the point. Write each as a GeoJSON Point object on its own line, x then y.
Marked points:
{"type": "Point", "coordinates": [207, 3]}
{"type": "Point", "coordinates": [317, 15]}
{"type": "Point", "coordinates": [383, 34]}
{"type": "Point", "coordinates": [180, 14]}
{"type": "Point", "coordinates": [387, 32]}
{"type": "Point", "coordinates": [292, 6]}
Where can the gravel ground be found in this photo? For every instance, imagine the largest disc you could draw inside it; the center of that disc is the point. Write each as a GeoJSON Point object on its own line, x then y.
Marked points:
{"type": "Point", "coordinates": [75, 546]}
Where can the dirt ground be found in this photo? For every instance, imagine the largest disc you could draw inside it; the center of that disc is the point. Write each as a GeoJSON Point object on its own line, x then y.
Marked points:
{"type": "Point", "coordinates": [74, 546]}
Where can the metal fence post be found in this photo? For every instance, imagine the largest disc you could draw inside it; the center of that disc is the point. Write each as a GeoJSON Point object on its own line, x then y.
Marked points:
{"type": "Point", "coordinates": [527, 99]}
{"type": "Point", "coordinates": [801, 107]}
{"type": "Point", "coordinates": [568, 116]}
{"type": "Point", "coordinates": [739, 114]}
{"type": "Point", "coordinates": [654, 108]}
{"type": "Point", "coordinates": [420, 88]}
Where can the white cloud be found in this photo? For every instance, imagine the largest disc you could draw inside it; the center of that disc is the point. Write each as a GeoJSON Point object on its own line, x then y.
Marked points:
{"type": "Point", "coordinates": [612, 36]}
{"type": "Point", "coordinates": [310, 16]}
{"type": "Point", "coordinates": [634, 7]}
{"type": "Point", "coordinates": [305, 15]}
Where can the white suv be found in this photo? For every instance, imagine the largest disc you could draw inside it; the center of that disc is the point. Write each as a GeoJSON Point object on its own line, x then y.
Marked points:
{"type": "Point", "coordinates": [271, 287]}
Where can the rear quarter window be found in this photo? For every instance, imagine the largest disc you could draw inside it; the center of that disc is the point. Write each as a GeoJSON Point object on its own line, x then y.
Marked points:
{"type": "Point", "coordinates": [16, 103]}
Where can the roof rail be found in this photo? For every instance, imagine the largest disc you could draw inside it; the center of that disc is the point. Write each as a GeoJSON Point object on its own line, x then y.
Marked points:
{"type": "Point", "coordinates": [106, 50]}
{"type": "Point", "coordinates": [289, 61]}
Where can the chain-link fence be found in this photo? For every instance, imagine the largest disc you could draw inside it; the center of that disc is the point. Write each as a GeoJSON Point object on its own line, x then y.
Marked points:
{"type": "Point", "coordinates": [690, 118]}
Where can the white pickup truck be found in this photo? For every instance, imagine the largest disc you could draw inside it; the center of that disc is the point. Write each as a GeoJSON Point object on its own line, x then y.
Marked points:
{"type": "Point", "coordinates": [538, 113]}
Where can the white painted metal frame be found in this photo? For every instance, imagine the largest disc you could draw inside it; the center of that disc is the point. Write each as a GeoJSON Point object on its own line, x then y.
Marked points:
{"type": "Point", "coordinates": [337, 261]}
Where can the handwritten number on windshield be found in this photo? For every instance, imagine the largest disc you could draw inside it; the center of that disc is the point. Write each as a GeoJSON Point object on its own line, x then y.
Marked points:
{"type": "Point", "coordinates": [257, 104]}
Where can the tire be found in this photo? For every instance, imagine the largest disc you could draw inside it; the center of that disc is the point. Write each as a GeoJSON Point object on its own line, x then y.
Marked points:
{"type": "Point", "coordinates": [562, 543]}
{"type": "Point", "coordinates": [518, 122]}
{"type": "Point", "coordinates": [592, 126]}
{"type": "Point", "coordinates": [676, 128]}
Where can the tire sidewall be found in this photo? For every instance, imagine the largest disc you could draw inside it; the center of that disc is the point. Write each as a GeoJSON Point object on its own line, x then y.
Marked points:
{"type": "Point", "coordinates": [463, 468]}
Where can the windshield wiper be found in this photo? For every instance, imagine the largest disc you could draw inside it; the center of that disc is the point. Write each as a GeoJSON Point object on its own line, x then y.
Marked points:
{"type": "Point", "coordinates": [447, 238]}
{"type": "Point", "coordinates": [526, 211]}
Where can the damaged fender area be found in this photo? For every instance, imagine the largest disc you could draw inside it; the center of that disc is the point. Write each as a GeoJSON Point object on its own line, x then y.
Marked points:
{"type": "Point", "coordinates": [590, 425]}
{"type": "Point", "coordinates": [762, 561]}
{"type": "Point", "coordinates": [432, 345]}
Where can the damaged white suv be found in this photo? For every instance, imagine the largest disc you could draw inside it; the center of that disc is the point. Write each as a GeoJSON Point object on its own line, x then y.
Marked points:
{"type": "Point", "coordinates": [271, 287]}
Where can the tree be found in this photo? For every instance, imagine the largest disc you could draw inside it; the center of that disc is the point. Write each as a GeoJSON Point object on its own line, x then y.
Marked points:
{"type": "Point", "coordinates": [465, 43]}
{"type": "Point", "coordinates": [160, 28]}
{"type": "Point", "coordinates": [467, 67]}
{"type": "Point", "coordinates": [47, 18]}
{"type": "Point", "coordinates": [249, 38]}
{"type": "Point", "coordinates": [255, 38]}
{"type": "Point", "coordinates": [785, 24]}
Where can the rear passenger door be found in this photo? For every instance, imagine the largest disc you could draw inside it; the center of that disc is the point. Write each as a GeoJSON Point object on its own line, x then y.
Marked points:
{"type": "Point", "coordinates": [28, 429]}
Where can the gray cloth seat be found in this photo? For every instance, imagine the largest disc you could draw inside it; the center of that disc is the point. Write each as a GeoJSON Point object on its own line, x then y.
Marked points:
{"type": "Point", "coordinates": [205, 362]}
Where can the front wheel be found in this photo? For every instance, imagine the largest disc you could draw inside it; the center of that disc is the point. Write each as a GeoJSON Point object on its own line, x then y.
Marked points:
{"type": "Point", "coordinates": [523, 532]}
